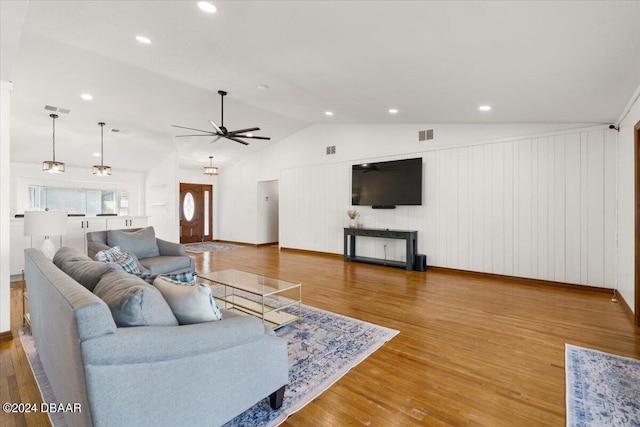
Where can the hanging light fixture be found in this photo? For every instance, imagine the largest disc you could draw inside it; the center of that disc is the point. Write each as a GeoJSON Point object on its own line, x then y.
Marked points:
{"type": "Point", "coordinates": [210, 170]}
{"type": "Point", "coordinates": [52, 165]}
{"type": "Point", "coordinates": [101, 169]}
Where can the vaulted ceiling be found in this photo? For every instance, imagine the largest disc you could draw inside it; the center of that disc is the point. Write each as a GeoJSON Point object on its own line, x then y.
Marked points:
{"type": "Point", "coordinates": [285, 63]}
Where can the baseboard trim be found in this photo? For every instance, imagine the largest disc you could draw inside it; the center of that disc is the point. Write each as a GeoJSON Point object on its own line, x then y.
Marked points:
{"type": "Point", "coordinates": [627, 307]}
{"type": "Point", "coordinates": [307, 251]}
{"type": "Point", "coordinates": [6, 336]}
{"type": "Point", "coordinates": [523, 280]}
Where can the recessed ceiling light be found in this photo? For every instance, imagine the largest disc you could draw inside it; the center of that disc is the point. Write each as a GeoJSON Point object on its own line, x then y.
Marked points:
{"type": "Point", "coordinates": [207, 7]}
{"type": "Point", "coordinates": [96, 154]}
{"type": "Point", "coordinates": [263, 87]}
{"type": "Point", "coordinates": [484, 108]}
{"type": "Point", "coordinates": [393, 111]}
{"type": "Point", "coordinates": [328, 113]}
{"type": "Point", "coordinates": [86, 97]}
{"type": "Point", "coordinates": [249, 134]}
{"type": "Point", "coordinates": [143, 39]}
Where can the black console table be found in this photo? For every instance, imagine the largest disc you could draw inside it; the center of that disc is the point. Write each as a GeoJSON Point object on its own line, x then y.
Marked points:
{"type": "Point", "coordinates": [350, 250]}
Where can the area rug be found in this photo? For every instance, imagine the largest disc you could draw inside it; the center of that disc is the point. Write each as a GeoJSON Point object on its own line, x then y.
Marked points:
{"type": "Point", "coordinates": [323, 347]}
{"type": "Point", "coordinates": [602, 389]}
{"type": "Point", "coordinates": [201, 247]}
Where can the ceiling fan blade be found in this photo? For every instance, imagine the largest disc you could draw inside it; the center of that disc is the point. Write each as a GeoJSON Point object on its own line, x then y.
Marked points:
{"type": "Point", "coordinates": [200, 134]}
{"type": "Point", "coordinates": [184, 127]}
{"type": "Point", "coordinates": [236, 139]}
{"type": "Point", "coordinates": [216, 139]}
{"type": "Point", "coordinates": [253, 137]}
{"type": "Point", "coordinates": [236, 132]}
{"type": "Point", "coordinates": [216, 127]}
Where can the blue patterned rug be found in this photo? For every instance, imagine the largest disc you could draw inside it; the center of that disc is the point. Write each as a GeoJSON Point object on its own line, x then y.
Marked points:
{"type": "Point", "coordinates": [602, 389]}
{"type": "Point", "coordinates": [323, 347]}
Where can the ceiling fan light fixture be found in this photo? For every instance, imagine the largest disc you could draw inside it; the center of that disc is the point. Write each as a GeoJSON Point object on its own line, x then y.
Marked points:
{"type": "Point", "coordinates": [210, 170]}
{"type": "Point", "coordinates": [207, 7]}
{"type": "Point", "coordinates": [51, 165]}
{"type": "Point", "coordinates": [101, 169]}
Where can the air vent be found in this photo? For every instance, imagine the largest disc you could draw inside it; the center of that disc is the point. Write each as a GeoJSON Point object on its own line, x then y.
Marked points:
{"type": "Point", "coordinates": [425, 135]}
{"type": "Point", "coordinates": [115, 130]}
{"type": "Point", "coordinates": [57, 109]}
{"type": "Point", "coordinates": [331, 149]}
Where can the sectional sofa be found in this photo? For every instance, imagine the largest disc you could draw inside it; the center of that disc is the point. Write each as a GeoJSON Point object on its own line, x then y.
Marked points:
{"type": "Point", "coordinates": [200, 374]}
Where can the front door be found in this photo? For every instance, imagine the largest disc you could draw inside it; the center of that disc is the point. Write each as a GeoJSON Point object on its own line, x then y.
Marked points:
{"type": "Point", "coordinates": [195, 212]}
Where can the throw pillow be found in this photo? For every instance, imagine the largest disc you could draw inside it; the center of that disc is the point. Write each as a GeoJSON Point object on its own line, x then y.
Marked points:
{"type": "Point", "coordinates": [189, 277]}
{"type": "Point", "coordinates": [142, 243]}
{"type": "Point", "coordinates": [67, 253]}
{"type": "Point", "coordinates": [133, 302]}
{"type": "Point", "coordinates": [190, 303]}
{"type": "Point", "coordinates": [128, 263]}
{"type": "Point", "coordinates": [88, 273]}
{"type": "Point", "coordinates": [109, 255]}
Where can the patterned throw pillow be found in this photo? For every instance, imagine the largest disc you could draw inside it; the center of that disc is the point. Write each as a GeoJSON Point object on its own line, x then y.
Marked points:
{"type": "Point", "coordinates": [128, 263]}
{"type": "Point", "coordinates": [124, 259]}
{"type": "Point", "coordinates": [109, 255]}
{"type": "Point", "coordinates": [189, 277]}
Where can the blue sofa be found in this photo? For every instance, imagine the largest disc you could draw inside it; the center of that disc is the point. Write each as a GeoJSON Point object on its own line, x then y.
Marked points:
{"type": "Point", "coordinates": [156, 256]}
{"type": "Point", "coordinates": [202, 374]}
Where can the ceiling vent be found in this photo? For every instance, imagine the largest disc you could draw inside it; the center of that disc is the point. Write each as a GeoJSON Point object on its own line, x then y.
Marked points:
{"type": "Point", "coordinates": [57, 109]}
{"type": "Point", "coordinates": [425, 135]}
{"type": "Point", "coordinates": [115, 130]}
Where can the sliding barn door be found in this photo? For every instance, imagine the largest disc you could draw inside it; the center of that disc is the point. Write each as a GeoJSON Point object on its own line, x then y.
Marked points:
{"type": "Point", "coordinates": [195, 212]}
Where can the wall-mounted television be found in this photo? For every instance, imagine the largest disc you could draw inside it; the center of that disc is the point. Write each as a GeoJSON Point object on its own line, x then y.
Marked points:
{"type": "Point", "coordinates": [385, 185]}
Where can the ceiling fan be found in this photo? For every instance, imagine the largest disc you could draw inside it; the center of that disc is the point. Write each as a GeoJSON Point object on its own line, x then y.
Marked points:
{"type": "Point", "coordinates": [221, 131]}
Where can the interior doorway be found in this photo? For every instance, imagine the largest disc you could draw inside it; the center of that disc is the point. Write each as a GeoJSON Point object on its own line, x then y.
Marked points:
{"type": "Point", "coordinates": [268, 212]}
{"type": "Point", "coordinates": [196, 213]}
{"type": "Point", "coordinates": [636, 144]}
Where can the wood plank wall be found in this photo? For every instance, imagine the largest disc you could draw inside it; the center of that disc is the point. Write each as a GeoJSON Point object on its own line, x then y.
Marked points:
{"type": "Point", "coordinates": [539, 207]}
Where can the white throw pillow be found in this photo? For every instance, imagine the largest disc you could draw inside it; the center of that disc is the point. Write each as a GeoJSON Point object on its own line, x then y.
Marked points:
{"type": "Point", "coordinates": [190, 303]}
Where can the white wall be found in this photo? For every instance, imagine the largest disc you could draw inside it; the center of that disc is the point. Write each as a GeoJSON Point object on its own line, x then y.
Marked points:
{"type": "Point", "coordinates": [162, 198]}
{"type": "Point", "coordinates": [25, 174]}
{"type": "Point", "coordinates": [626, 211]}
{"type": "Point", "coordinates": [5, 190]}
{"type": "Point", "coordinates": [505, 199]}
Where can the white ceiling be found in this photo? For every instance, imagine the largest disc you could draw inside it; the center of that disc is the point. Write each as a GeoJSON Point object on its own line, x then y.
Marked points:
{"type": "Point", "coordinates": [436, 62]}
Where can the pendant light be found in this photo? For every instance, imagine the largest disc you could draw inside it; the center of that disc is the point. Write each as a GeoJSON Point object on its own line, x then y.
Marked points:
{"type": "Point", "coordinates": [51, 165]}
{"type": "Point", "coordinates": [210, 170]}
{"type": "Point", "coordinates": [101, 169]}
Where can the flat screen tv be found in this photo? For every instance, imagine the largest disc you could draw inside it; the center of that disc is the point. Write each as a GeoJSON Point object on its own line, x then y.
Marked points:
{"type": "Point", "coordinates": [385, 185]}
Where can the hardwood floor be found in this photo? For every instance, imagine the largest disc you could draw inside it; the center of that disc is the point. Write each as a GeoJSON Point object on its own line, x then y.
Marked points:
{"type": "Point", "coordinates": [471, 350]}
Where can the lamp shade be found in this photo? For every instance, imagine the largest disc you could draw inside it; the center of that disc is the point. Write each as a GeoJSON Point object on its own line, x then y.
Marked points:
{"type": "Point", "coordinates": [45, 223]}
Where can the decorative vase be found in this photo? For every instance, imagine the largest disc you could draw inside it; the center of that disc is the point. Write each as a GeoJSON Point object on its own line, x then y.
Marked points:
{"type": "Point", "coordinates": [352, 223]}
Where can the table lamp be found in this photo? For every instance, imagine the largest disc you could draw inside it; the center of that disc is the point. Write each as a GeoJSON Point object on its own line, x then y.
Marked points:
{"type": "Point", "coordinates": [47, 224]}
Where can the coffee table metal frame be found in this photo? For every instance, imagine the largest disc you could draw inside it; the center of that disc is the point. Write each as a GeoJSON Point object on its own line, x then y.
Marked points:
{"type": "Point", "coordinates": [257, 295]}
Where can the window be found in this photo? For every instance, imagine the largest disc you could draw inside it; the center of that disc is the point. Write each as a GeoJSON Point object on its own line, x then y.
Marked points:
{"type": "Point", "coordinates": [79, 200]}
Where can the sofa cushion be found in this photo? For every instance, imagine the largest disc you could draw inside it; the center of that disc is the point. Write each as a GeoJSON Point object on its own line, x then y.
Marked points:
{"type": "Point", "coordinates": [66, 253]}
{"type": "Point", "coordinates": [141, 242]}
{"type": "Point", "coordinates": [133, 302]}
{"type": "Point", "coordinates": [190, 303]}
{"type": "Point", "coordinates": [166, 264]}
{"type": "Point", "coordinates": [88, 273]}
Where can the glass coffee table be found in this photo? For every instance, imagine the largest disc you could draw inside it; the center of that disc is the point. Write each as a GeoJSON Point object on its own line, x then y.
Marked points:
{"type": "Point", "coordinates": [276, 302]}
